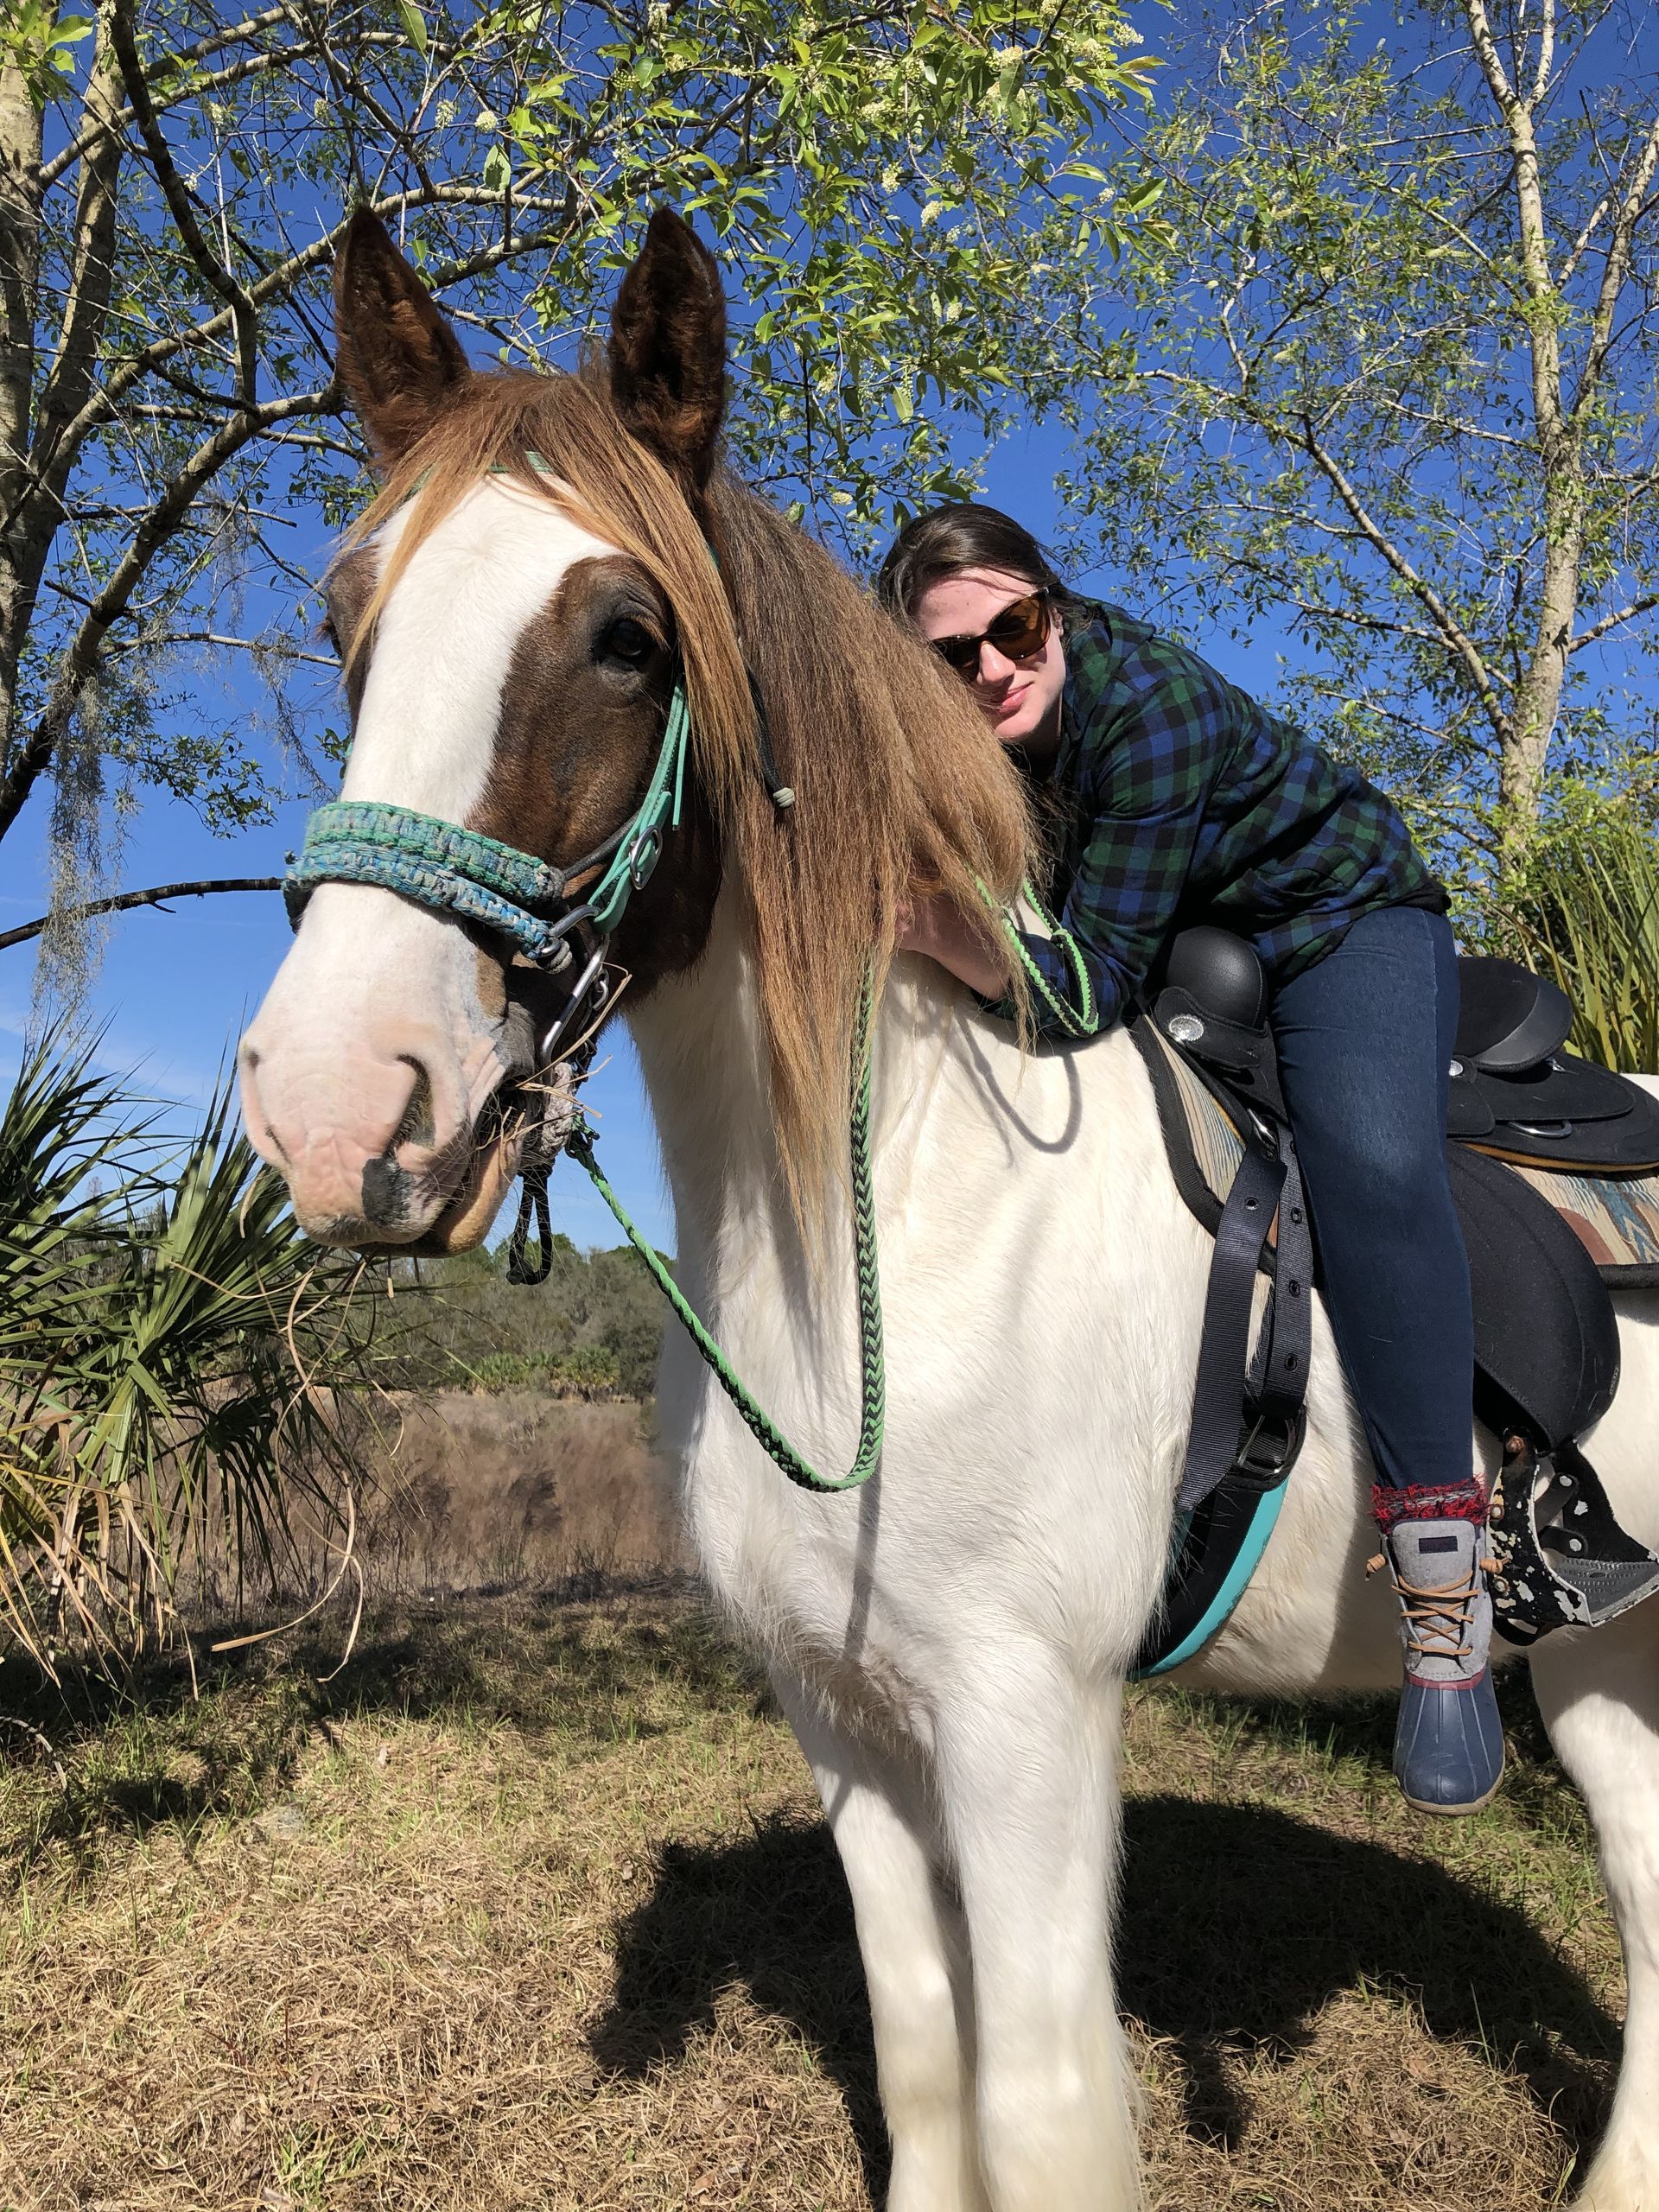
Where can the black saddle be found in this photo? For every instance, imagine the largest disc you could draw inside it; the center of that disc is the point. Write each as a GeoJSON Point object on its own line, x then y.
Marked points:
{"type": "Point", "coordinates": [1517, 1093]}
{"type": "Point", "coordinates": [1545, 1339]}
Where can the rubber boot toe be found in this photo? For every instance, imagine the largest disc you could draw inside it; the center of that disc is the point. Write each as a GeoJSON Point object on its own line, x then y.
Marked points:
{"type": "Point", "coordinates": [1448, 1747]}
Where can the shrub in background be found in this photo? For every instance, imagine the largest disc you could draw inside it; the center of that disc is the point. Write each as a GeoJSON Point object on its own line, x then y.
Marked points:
{"type": "Point", "coordinates": [1585, 909]}
{"type": "Point", "coordinates": [178, 1364]}
{"type": "Point", "coordinates": [592, 1330]}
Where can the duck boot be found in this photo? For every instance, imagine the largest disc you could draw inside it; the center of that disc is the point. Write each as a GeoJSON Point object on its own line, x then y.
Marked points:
{"type": "Point", "coordinates": [1448, 1747]}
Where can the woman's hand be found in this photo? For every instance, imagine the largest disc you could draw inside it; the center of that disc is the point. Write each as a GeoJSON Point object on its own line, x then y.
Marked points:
{"type": "Point", "coordinates": [937, 928]}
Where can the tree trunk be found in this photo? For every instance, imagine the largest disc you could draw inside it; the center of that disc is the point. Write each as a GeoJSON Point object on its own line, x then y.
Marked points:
{"type": "Point", "coordinates": [46, 451]}
{"type": "Point", "coordinates": [20, 247]}
{"type": "Point", "coordinates": [1538, 695]}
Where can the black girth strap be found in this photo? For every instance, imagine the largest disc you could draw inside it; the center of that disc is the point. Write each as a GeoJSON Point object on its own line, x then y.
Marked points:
{"type": "Point", "coordinates": [1278, 1379]}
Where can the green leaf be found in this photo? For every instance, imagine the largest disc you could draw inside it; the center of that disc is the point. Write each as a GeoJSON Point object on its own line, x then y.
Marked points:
{"type": "Point", "coordinates": [415, 24]}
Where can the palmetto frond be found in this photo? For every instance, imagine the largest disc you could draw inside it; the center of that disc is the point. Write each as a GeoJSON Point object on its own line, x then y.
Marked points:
{"type": "Point", "coordinates": [175, 1359]}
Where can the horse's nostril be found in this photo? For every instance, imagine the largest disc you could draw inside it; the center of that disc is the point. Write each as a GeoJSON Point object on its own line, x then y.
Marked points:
{"type": "Point", "coordinates": [416, 1126]}
{"type": "Point", "coordinates": [385, 1193]}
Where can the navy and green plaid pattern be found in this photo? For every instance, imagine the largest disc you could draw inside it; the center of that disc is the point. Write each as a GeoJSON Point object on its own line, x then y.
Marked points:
{"type": "Point", "coordinates": [1177, 800]}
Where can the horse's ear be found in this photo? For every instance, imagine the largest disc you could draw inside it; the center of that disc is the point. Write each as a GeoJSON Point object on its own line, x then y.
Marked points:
{"type": "Point", "coordinates": [398, 358]}
{"type": "Point", "coordinates": [668, 348]}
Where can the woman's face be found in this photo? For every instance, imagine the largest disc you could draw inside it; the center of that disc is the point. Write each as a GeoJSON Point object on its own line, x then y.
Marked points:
{"type": "Point", "coordinates": [1020, 699]}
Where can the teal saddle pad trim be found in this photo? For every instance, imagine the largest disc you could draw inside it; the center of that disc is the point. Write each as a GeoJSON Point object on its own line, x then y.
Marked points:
{"type": "Point", "coordinates": [1234, 1583]}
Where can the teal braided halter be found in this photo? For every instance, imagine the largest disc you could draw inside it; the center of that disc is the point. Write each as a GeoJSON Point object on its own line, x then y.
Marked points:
{"type": "Point", "coordinates": [460, 872]}
{"type": "Point", "coordinates": [525, 902]}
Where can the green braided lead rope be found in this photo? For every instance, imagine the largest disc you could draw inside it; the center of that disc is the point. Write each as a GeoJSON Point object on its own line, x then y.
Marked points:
{"type": "Point", "coordinates": [872, 1365]}
{"type": "Point", "coordinates": [873, 1384]}
{"type": "Point", "coordinates": [1075, 1025]}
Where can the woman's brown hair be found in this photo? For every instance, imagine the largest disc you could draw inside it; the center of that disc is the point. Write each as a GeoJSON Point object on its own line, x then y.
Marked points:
{"type": "Point", "coordinates": [947, 540]}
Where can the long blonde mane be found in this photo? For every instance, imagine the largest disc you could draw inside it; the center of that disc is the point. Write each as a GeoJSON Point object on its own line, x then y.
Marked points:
{"type": "Point", "coordinates": [901, 790]}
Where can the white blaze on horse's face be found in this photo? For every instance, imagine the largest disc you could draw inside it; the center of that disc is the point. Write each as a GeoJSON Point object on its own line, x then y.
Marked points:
{"type": "Point", "coordinates": [365, 1070]}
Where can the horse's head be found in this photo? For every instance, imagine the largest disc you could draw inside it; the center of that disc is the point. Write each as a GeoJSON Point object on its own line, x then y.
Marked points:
{"type": "Point", "coordinates": [511, 644]}
{"type": "Point", "coordinates": [553, 564]}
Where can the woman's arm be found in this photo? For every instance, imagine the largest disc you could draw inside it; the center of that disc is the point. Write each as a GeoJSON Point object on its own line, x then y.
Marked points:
{"type": "Point", "coordinates": [937, 927]}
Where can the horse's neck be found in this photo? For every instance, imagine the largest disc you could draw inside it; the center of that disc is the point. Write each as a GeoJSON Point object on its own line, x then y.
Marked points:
{"type": "Point", "coordinates": [702, 1054]}
{"type": "Point", "coordinates": [961, 1121]}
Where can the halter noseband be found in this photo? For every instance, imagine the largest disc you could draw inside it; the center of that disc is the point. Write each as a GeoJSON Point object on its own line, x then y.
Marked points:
{"type": "Point", "coordinates": [452, 870]}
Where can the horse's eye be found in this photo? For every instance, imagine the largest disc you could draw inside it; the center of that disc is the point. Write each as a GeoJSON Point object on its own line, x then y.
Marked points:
{"type": "Point", "coordinates": [628, 642]}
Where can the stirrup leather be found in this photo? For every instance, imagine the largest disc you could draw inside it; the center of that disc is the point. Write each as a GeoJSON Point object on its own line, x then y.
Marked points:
{"type": "Point", "coordinates": [1561, 1559]}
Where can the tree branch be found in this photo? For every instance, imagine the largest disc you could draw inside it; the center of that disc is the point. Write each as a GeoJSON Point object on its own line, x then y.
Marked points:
{"type": "Point", "coordinates": [267, 648]}
{"type": "Point", "coordinates": [111, 604]}
{"type": "Point", "coordinates": [1463, 646]}
{"type": "Point", "coordinates": [125, 901]}
{"type": "Point", "coordinates": [1546, 54]}
{"type": "Point", "coordinates": [218, 277]}
{"type": "Point", "coordinates": [277, 282]}
{"type": "Point", "coordinates": [1480, 31]}
{"type": "Point", "coordinates": [234, 72]}
{"type": "Point", "coordinates": [86, 306]}
{"type": "Point", "coordinates": [1644, 605]}
{"type": "Point", "coordinates": [1613, 275]}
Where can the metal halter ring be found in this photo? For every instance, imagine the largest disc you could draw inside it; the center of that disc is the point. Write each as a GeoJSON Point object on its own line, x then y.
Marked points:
{"type": "Point", "coordinates": [643, 856]}
{"type": "Point", "coordinates": [553, 954]}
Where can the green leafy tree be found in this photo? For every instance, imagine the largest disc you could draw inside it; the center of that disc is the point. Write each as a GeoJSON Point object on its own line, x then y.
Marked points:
{"type": "Point", "coordinates": [1393, 382]}
{"type": "Point", "coordinates": [594, 1326]}
{"type": "Point", "coordinates": [885, 181]}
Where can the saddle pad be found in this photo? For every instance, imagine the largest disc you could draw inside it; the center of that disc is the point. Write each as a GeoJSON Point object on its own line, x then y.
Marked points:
{"type": "Point", "coordinates": [1614, 1217]}
{"type": "Point", "coordinates": [1203, 1145]}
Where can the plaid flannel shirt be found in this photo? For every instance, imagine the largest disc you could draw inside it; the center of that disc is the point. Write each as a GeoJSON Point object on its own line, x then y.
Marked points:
{"type": "Point", "coordinates": [1181, 800]}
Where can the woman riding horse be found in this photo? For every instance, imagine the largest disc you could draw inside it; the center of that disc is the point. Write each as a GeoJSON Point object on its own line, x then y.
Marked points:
{"type": "Point", "coordinates": [1173, 798]}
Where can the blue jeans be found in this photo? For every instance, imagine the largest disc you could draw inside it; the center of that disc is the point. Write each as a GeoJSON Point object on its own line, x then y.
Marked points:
{"type": "Point", "coordinates": [1365, 1040]}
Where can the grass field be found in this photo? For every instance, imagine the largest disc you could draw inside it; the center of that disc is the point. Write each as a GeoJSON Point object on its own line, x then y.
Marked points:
{"type": "Point", "coordinates": [529, 1906]}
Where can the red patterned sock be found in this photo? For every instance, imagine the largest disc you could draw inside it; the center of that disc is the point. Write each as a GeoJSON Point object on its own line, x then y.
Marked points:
{"type": "Point", "coordinates": [1421, 1502]}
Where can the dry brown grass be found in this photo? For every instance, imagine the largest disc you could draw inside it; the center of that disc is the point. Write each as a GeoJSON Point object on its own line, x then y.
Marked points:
{"type": "Point", "coordinates": [519, 1489]}
{"type": "Point", "coordinates": [531, 1907]}
{"type": "Point", "coordinates": [475, 1491]}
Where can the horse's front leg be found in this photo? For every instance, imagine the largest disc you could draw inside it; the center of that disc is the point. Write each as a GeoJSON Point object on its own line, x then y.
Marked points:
{"type": "Point", "coordinates": [910, 1937]}
{"type": "Point", "coordinates": [1599, 1696]}
{"type": "Point", "coordinates": [1027, 1770]}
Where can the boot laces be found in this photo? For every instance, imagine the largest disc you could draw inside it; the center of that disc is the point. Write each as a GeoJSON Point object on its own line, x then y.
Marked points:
{"type": "Point", "coordinates": [1437, 1621]}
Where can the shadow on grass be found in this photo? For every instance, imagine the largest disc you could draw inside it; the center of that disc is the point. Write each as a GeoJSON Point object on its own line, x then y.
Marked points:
{"type": "Point", "coordinates": [1238, 1925]}
{"type": "Point", "coordinates": [772, 1913]}
{"type": "Point", "coordinates": [150, 1745]}
{"type": "Point", "coordinates": [1240, 1922]}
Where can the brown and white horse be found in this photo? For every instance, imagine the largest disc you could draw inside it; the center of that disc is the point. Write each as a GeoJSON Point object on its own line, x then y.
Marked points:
{"type": "Point", "coordinates": [951, 1644]}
